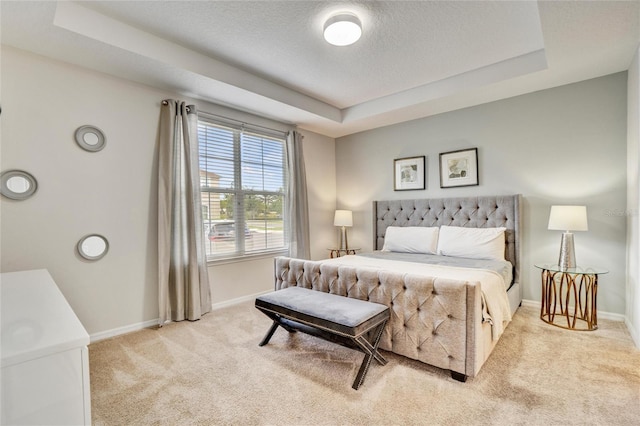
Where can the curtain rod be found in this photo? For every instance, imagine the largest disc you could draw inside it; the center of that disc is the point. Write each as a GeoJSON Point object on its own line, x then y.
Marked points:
{"type": "Point", "coordinates": [241, 122]}
{"type": "Point", "coordinates": [166, 102]}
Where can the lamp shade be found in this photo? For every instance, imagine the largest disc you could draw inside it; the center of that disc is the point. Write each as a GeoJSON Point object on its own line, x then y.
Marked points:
{"type": "Point", "coordinates": [342, 29]}
{"type": "Point", "coordinates": [343, 218]}
{"type": "Point", "coordinates": [568, 218]}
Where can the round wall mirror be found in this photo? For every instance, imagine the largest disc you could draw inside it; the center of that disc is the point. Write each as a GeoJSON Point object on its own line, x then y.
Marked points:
{"type": "Point", "coordinates": [90, 138]}
{"type": "Point", "coordinates": [17, 184]}
{"type": "Point", "coordinates": [93, 247]}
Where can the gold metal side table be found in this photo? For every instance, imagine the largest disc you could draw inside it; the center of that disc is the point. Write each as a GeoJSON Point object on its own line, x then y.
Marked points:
{"type": "Point", "coordinates": [337, 252]}
{"type": "Point", "coordinates": [570, 296]}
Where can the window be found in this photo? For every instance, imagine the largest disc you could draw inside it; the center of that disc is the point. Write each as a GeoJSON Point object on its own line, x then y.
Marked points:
{"type": "Point", "coordinates": [242, 182]}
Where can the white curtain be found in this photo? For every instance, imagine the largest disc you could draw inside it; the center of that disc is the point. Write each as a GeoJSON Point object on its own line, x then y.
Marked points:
{"type": "Point", "coordinates": [297, 205]}
{"type": "Point", "coordinates": [184, 291]}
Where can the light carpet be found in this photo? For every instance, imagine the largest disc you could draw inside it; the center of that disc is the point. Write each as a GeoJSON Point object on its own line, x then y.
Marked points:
{"type": "Point", "coordinates": [212, 372]}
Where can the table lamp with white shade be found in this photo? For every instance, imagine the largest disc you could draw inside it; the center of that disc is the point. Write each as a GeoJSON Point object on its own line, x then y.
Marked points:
{"type": "Point", "coordinates": [567, 219]}
{"type": "Point", "coordinates": [343, 218]}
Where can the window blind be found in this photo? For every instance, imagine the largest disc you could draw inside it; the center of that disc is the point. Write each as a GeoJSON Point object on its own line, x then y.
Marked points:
{"type": "Point", "coordinates": [243, 181]}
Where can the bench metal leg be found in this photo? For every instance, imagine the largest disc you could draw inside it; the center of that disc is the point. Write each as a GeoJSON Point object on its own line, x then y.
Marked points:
{"type": "Point", "coordinates": [458, 376]}
{"type": "Point", "coordinates": [277, 321]}
{"type": "Point", "coordinates": [269, 334]}
{"type": "Point", "coordinates": [376, 355]}
{"type": "Point", "coordinates": [370, 350]}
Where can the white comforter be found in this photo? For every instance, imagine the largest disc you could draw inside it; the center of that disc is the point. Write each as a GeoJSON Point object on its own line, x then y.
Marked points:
{"type": "Point", "coordinates": [495, 303]}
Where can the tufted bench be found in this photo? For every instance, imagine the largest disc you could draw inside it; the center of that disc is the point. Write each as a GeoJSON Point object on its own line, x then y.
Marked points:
{"type": "Point", "coordinates": [352, 322]}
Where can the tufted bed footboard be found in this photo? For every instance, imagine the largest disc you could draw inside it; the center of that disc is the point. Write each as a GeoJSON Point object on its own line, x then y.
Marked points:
{"type": "Point", "coordinates": [434, 320]}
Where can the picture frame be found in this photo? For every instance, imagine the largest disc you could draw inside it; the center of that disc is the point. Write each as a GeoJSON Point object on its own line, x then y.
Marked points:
{"type": "Point", "coordinates": [459, 168]}
{"type": "Point", "coordinates": [409, 173]}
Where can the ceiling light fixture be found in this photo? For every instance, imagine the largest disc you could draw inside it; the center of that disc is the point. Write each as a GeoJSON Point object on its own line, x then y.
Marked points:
{"type": "Point", "coordinates": [342, 29]}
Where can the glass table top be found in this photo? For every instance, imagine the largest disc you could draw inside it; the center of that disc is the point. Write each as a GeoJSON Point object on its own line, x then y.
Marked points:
{"type": "Point", "coordinates": [550, 266]}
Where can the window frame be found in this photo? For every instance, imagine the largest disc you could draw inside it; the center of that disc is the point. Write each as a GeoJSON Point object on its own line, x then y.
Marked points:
{"type": "Point", "coordinates": [239, 193]}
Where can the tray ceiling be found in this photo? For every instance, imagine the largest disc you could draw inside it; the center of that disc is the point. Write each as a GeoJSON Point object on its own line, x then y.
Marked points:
{"type": "Point", "coordinates": [415, 58]}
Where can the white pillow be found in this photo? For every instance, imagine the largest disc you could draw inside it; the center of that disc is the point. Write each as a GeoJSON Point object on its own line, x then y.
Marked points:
{"type": "Point", "coordinates": [411, 239]}
{"type": "Point", "coordinates": [474, 243]}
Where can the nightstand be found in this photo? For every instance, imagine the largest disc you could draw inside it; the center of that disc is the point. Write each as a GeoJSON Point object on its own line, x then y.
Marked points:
{"type": "Point", "coordinates": [336, 252]}
{"type": "Point", "coordinates": [569, 295]}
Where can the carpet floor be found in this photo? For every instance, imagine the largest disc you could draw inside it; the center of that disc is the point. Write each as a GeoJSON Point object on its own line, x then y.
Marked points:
{"type": "Point", "coordinates": [212, 372]}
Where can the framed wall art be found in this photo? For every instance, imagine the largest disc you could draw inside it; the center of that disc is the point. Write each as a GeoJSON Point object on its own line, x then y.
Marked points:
{"type": "Point", "coordinates": [459, 168]}
{"type": "Point", "coordinates": [409, 173]}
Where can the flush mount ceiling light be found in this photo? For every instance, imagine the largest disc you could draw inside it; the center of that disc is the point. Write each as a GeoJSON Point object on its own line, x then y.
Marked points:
{"type": "Point", "coordinates": [342, 29]}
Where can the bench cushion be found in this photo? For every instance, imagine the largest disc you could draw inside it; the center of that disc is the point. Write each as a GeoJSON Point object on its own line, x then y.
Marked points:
{"type": "Point", "coordinates": [338, 313]}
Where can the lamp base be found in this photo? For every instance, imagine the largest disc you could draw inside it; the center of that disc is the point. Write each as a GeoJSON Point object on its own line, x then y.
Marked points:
{"type": "Point", "coordinates": [567, 258]}
{"type": "Point", "coordinates": [344, 244]}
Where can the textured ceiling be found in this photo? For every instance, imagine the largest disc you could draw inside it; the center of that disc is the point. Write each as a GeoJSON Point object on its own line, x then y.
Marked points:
{"type": "Point", "coordinates": [405, 44]}
{"type": "Point", "coordinates": [268, 57]}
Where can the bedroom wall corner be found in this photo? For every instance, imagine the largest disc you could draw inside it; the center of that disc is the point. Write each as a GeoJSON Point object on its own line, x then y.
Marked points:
{"type": "Point", "coordinates": [633, 200]}
{"type": "Point", "coordinates": [320, 164]}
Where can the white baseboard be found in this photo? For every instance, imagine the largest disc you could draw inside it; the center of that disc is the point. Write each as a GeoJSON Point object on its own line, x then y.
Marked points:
{"type": "Point", "coordinates": [122, 330]}
{"type": "Point", "coordinates": [232, 302]}
{"type": "Point", "coordinates": [530, 303]}
{"type": "Point", "coordinates": [601, 314]}
{"type": "Point", "coordinates": [96, 337]}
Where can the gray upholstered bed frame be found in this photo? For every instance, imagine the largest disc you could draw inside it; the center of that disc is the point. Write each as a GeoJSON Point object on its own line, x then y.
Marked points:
{"type": "Point", "coordinates": [471, 212]}
{"type": "Point", "coordinates": [434, 320]}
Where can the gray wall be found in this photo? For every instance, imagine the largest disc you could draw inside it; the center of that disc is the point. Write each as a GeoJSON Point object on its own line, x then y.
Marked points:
{"type": "Point", "coordinates": [565, 145]}
{"type": "Point", "coordinates": [112, 192]}
{"type": "Point", "coordinates": [633, 199]}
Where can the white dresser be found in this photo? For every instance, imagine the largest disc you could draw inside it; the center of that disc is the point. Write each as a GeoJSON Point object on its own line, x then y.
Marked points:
{"type": "Point", "coordinates": [45, 360]}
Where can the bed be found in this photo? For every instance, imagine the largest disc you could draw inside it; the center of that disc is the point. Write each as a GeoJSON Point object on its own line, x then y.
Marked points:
{"type": "Point", "coordinates": [448, 309]}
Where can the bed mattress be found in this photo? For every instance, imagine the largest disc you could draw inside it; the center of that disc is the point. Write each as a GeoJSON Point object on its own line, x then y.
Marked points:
{"type": "Point", "coordinates": [502, 267]}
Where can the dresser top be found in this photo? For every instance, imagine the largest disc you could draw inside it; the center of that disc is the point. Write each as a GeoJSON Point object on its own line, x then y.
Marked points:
{"type": "Point", "coordinates": [35, 318]}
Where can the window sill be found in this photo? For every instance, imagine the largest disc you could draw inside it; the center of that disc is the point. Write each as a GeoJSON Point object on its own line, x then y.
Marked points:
{"type": "Point", "coordinates": [246, 257]}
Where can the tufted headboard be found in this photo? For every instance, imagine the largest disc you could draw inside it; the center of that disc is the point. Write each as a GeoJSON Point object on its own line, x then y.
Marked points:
{"type": "Point", "coordinates": [472, 212]}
